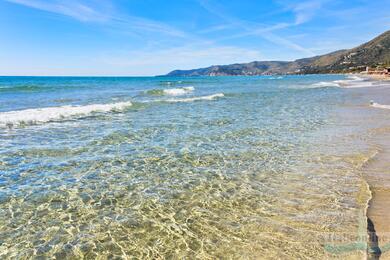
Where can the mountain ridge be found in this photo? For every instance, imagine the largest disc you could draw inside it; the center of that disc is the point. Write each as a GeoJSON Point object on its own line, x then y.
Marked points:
{"type": "Point", "coordinates": [372, 53]}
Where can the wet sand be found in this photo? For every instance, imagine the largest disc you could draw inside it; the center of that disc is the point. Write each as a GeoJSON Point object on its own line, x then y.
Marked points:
{"type": "Point", "coordinates": [377, 170]}
{"type": "Point", "coordinates": [377, 173]}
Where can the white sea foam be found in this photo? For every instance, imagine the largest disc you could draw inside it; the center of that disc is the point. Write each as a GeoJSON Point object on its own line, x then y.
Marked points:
{"type": "Point", "coordinates": [47, 114]}
{"type": "Point", "coordinates": [324, 84]}
{"type": "Point", "coordinates": [380, 106]}
{"type": "Point", "coordinates": [351, 82]}
{"type": "Point", "coordinates": [359, 85]}
{"type": "Point", "coordinates": [210, 97]}
{"type": "Point", "coordinates": [355, 82]}
{"type": "Point", "coordinates": [178, 91]}
{"type": "Point", "coordinates": [355, 78]}
{"type": "Point", "coordinates": [189, 88]}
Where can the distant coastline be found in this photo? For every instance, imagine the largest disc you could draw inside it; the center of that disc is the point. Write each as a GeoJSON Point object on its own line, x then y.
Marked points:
{"type": "Point", "coordinates": [373, 54]}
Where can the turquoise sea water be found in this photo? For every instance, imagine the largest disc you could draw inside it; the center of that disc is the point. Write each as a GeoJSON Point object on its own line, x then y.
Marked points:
{"type": "Point", "coordinates": [208, 167]}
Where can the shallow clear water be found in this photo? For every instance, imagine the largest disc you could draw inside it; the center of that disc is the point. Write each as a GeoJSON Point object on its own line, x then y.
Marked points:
{"type": "Point", "coordinates": [220, 167]}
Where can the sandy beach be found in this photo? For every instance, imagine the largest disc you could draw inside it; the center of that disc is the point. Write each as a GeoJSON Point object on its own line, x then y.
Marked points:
{"type": "Point", "coordinates": [376, 77]}
{"type": "Point", "coordinates": [377, 170]}
{"type": "Point", "coordinates": [378, 177]}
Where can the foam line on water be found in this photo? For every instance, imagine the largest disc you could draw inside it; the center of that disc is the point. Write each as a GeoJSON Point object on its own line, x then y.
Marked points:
{"type": "Point", "coordinates": [355, 82]}
{"type": "Point", "coordinates": [373, 104]}
{"type": "Point", "coordinates": [324, 84]}
{"type": "Point", "coordinates": [47, 114]}
{"type": "Point", "coordinates": [178, 91]}
{"type": "Point", "coordinates": [171, 91]}
{"type": "Point", "coordinates": [350, 82]}
{"type": "Point", "coordinates": [192, 99]}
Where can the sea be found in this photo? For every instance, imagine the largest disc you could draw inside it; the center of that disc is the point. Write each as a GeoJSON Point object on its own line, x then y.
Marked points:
{"type": "Point", "coordinates": [263, 167]}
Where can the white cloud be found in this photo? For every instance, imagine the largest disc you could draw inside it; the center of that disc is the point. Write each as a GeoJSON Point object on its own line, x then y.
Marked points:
{"type": "Point", "coordinates": [216, 28]}
{"type": "Point", "coordinates": [305, 11]}
{"type": "Point", "coordinates": [287, 43]}
{"type": "Point", "coordinates": [71, 8]}
{"type": "Point", "coordinates": [264, 31]}
{"type": "Point", "coordinates": [188, 57]}
{"type": "Point", "coordinates": [101, 12]}
{"type": "Point", "coordinates": [159, 57]}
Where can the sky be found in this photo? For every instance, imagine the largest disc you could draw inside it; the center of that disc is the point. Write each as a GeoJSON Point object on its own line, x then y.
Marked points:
{"type": "Point", "coordinates": [153, 37]}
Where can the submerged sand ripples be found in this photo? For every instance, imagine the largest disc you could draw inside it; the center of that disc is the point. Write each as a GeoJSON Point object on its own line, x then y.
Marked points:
{"type": "Point", "coordinates": [174, 204]}
{"type": "Point", "coordinates": [243, 177]}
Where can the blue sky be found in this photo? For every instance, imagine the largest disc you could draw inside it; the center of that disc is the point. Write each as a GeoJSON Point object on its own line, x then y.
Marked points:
{"type": "Point", "coordinates": [152, 37]}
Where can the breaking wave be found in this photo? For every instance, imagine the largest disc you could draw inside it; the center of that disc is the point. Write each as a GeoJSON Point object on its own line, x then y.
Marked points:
{"type": "Point", "coordinates": [47, 114]}
{"type": "Point", "coordinates": [50, 114]}
{"type": "Point", "coordinates": [171, 92]}
{"type": "Point", "coordinates": [373, 104]}
{"type": "Point", "coordinates": [351, 82]}
{"type": "Point", "coordinates": [192, 99]}
{"type": "Point", "coordinates": [324, 84]}
{"type": "Point", "coordinates": [355, 82]}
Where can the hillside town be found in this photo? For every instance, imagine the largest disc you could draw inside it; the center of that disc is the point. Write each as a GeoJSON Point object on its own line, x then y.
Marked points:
{"type": "Point", "coordinates": [379, 70]}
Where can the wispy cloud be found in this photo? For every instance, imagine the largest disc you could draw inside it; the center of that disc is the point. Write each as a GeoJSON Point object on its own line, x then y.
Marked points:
{"type": "Point", "coordinates": [287, 43]}
{"type": "Point", "coordinates": [102, 12]}
{"type": "Point", "coordinates": [304, 12]}
{"type": "Point", "coordinates": [142, 26]}
{"type": "Point", "coordinates": [216, 28]}
{"type": "Point", "coordinates": [185, 57]}
{"type": "Point", "coordinates": [71, 8]}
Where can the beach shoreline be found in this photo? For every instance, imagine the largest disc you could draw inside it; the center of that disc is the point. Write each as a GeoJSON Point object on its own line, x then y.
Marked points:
{"type": "Point", "coordinates": [376, 171]}
{"type": "Point", "coordinates": [369, 98]}
{"type": "Point", "coordinates": [375, 77]}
